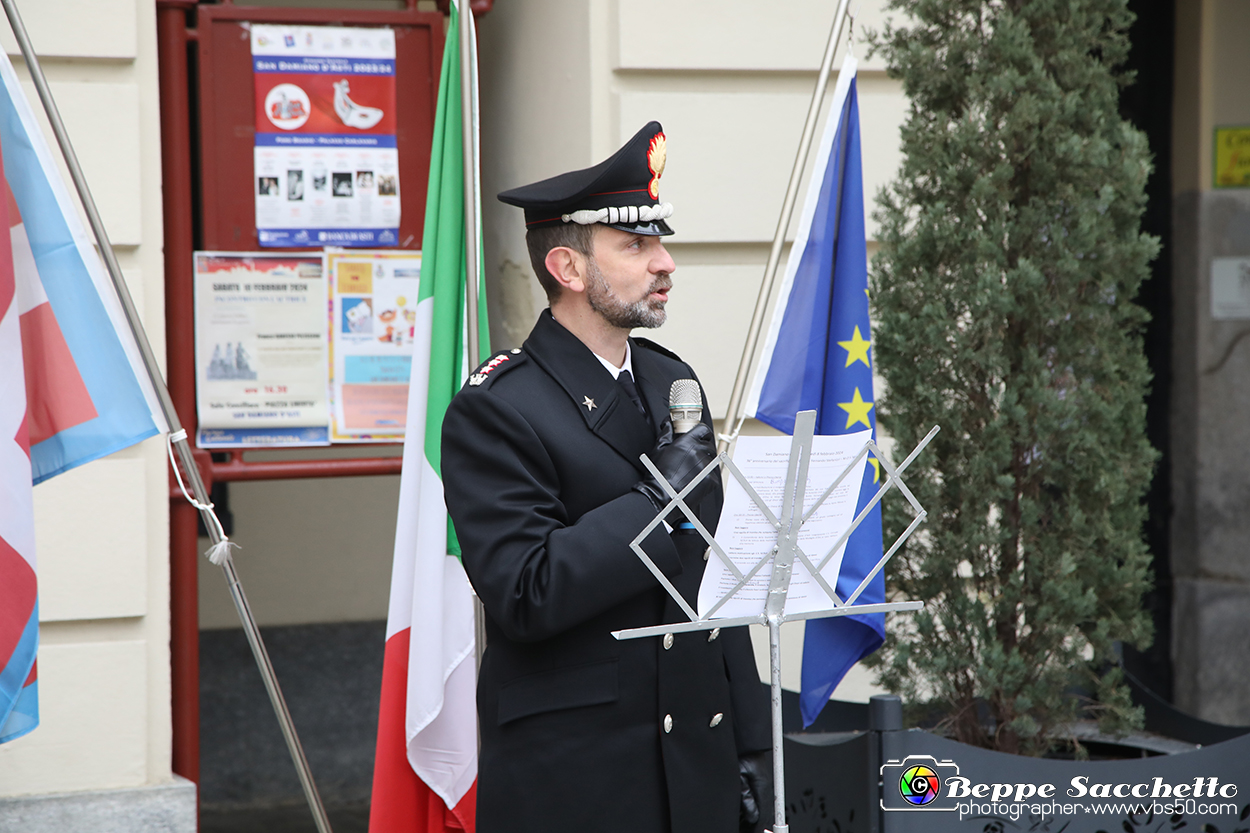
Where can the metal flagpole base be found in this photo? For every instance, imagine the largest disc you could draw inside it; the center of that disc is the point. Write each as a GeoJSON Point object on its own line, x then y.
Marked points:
{"type": "Point", "coordinates": [275, 696]}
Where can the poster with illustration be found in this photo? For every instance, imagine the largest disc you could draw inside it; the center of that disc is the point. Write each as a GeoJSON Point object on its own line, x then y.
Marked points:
{"type": "Point", "coordinates": [261, 361]}
{"type": "Point", "coordinates": [326, 160]}
{"type": "Point", "coordinates": [373, 315]}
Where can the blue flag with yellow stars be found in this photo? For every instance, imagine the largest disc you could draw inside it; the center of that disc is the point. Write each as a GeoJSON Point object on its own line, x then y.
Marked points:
{"type": "Point", "coordinates": [818, 356]}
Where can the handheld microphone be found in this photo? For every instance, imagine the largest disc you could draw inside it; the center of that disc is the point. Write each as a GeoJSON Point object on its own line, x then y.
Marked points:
{"type": "Point", "coordinates": [685, 405]}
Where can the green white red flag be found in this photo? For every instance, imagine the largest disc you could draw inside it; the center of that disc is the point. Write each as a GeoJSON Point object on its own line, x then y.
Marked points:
{"type": "Point", "coordinates": [425, 768]}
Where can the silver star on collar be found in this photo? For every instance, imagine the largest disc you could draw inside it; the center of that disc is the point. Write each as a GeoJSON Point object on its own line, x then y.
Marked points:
{"type": "Point", "coordinates": [589, 403]}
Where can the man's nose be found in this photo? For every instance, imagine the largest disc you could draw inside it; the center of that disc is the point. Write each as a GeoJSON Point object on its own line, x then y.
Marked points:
{"type": "Point", "coordinates": [663, 261]}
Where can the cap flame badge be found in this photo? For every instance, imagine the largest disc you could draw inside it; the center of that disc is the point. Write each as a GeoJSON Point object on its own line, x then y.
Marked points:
{"type": "Point", "coordinates": [657, 155]}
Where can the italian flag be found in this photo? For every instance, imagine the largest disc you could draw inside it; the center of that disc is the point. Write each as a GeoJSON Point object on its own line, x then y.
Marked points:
{"type": "Point", "coordinates": [425, 768]}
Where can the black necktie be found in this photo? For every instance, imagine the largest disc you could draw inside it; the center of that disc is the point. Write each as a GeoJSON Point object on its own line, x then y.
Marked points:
{"type": "Point", "coordinates": [627, 382]}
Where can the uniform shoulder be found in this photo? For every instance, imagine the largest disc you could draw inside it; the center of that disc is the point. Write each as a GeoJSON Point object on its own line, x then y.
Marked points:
{"type": "Point", "coordinates": [496, 366]}
{"type": "Point", "coordinates": [648, 344]}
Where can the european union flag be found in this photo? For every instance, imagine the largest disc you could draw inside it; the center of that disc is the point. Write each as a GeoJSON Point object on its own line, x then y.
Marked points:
{"type": "Point", "coordinates": [818, 356]}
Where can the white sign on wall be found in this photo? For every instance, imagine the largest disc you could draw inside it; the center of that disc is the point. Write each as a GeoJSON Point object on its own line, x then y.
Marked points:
{"type": "Point", "coordinates": [1230, 288]}
{"type": "Point", "coordinates": [260, 350]}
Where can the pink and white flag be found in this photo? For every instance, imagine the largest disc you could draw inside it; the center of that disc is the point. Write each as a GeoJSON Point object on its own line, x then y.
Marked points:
{"type": "Point", "coordinates": [72, 384]}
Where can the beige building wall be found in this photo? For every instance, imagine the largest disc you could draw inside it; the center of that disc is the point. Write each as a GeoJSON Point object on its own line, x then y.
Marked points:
{"type": "Point", "coordinates": [311, 551]}
{"type": "Point", "coordinates": [564, 85]}
{"type": "Point", "coordinates": [101, 529]}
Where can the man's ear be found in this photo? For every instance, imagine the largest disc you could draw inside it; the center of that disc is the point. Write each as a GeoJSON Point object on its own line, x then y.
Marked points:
{"type": "Point", "coordinates": [568, 267]}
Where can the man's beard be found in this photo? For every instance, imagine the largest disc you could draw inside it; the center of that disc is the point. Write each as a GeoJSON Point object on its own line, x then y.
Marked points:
{"type": "Point", "coordinates": [624, 314]}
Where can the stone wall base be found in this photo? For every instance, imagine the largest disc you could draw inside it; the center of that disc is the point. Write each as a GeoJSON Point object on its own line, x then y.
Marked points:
{"type": "Point", "coordinates": [163, 808]}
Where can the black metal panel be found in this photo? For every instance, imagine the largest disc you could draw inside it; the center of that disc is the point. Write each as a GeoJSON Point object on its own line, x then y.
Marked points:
{"type": "Point", "coordinates": [827, 783]}
{"type": "Point", "coordinates": [1163, 718]}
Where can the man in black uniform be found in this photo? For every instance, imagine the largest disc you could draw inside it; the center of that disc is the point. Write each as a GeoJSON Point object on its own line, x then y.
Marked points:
{"type": "Point", "coordinates": [542, 476]}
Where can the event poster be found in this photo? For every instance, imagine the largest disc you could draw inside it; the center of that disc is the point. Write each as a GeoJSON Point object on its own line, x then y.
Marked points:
{"type": "Point", "coordinates": [373, 314]}
{"type": "Point", "coordinates": [326, 160]}
{"type": "Point", "coordinates": [260, 350]}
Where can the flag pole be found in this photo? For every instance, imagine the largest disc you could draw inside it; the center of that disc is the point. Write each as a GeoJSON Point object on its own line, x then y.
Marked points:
{"type": "Point", "coordinates": [734, 413]}
{"type": "Point", "coordinates": [177, 435]}
{"type": "Point", "coordinates": [468, 121]}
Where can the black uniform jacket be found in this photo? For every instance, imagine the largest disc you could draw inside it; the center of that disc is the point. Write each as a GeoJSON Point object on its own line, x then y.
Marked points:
{"type": "Point", "coordinates": [581, 732]}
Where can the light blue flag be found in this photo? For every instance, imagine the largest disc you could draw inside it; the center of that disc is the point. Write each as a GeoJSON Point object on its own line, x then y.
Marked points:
{"type": "Point", "coordinates": [818, 356]}
{"type": "Point", "coordinates": [89, 391]}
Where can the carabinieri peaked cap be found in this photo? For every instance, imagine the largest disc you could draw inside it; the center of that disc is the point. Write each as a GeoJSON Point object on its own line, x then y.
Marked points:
{"type": "Point", "coordinates": [622, 191]}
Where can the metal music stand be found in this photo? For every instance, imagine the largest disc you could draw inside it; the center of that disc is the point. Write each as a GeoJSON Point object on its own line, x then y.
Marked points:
{"type": "Point", "coordinates": [782, 556]}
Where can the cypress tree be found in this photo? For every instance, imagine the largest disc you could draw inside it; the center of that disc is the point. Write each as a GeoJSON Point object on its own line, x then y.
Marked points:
{"type": "Point", "coordinates": [1011, 253]}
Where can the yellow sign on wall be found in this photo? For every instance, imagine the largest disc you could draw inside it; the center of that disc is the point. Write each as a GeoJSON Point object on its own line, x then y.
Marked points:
{"type": "Point", "coordinates": [355, 278]}
{"type": "Point", "coordinates": [1232, 157]}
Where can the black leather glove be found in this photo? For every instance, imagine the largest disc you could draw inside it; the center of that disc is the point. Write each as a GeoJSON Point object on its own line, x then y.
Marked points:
{"type": "Point", "coordinates": [679, 459]}
{"type": "Point", "coordinates": [755, 777]}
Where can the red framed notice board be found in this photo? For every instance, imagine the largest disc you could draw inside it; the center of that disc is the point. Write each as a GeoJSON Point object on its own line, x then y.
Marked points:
{"type": "Point", "coordinates": [229, 114]}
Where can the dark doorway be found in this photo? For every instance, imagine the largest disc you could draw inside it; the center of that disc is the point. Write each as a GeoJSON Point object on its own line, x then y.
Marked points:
{"type": "Point", "coordinates": [1147, 103]}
